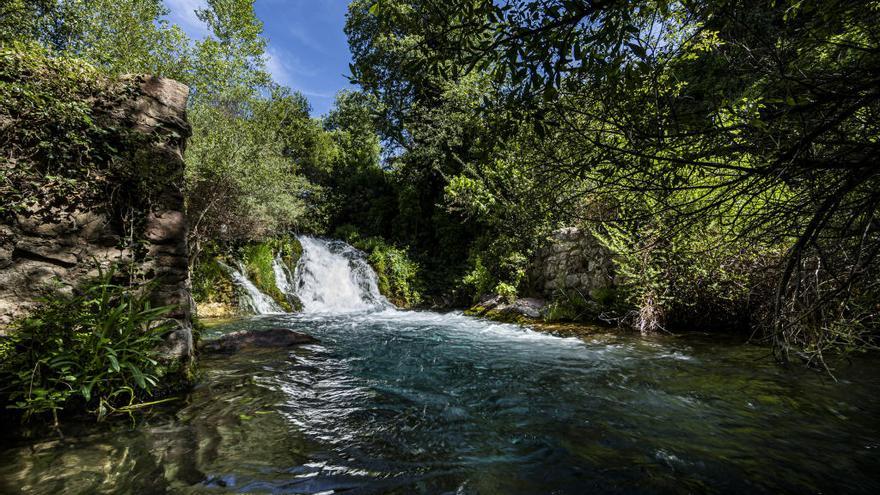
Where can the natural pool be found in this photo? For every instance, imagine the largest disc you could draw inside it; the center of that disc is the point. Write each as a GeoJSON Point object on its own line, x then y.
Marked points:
{"type": "Point", "coordinates": [420, 402]}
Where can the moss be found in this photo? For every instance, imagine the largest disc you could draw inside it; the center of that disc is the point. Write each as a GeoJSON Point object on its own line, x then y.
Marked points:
{"type": "Point", "coordinates": [397, 275]}
{"type": "Point", "coordinates": [399, 278]}
{"type": "Point", "coordinates": [212, 289]}
{"type": "Point", "coordinates": [570, 329]}
{"type": "Point", "coordinates": [176, 376]}
{"type": "Point", "coordinates": [499, 314]}
{"type": "Point", "coordinates": [258, 260]}
{"type": "Point", "coordinates": [507, 317]}
{"type": "Point", "coordinates": [290, 250]}
{"type": "Point", "coordinates": [475, 310]}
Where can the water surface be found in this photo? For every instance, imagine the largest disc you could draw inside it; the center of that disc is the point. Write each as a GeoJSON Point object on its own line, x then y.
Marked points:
{"type": "Point", "coordinates": [419, 402]}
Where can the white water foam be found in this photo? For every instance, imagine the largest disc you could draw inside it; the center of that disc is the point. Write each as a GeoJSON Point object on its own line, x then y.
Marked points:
{"type": "Point", "coordinates": [333, 277]}
{"type": "Point", "coordinates": [251, 298]}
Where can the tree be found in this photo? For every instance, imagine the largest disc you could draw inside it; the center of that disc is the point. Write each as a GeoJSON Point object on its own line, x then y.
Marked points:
{"type": "Point", "coordinates": [125, 36]}
{"type": "Point", "coordinates": [750, 121]}
{"type": "Point", "coordinates": [233, 59]}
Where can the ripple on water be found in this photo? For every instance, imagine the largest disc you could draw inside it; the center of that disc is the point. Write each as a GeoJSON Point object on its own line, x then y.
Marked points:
{"type": "Point", "coordinates": [421, 402]}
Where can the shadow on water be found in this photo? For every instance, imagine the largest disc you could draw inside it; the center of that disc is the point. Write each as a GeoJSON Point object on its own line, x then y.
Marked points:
{"type": "Point", "coordinates": [412, 402]}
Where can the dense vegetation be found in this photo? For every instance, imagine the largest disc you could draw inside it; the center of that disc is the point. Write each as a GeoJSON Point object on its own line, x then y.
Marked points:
{"type": "Point", "coordinates": [723, 151]}
{"type": "Point", "coordinates": [97, 349]}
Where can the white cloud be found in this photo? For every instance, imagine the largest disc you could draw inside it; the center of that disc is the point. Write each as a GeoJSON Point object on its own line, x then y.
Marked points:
{"type": "Point", "coordinates": [305, 38]}
{"type": "Point", "coordinates": [183, 13]}
{"type": "Point", "coordinates": [286, 68]}
{"type": "Point", "coordinates": [275, 65]}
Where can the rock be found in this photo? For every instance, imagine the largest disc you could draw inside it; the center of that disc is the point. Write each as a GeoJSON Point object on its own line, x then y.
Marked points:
{"type": "Point", "coordinates": [529, 307]}
{"type": "Point", "coordinates": [572, 259]}
{"type": "Point", "coordinates": [215, 310]}
{"type": "Point", "coordinates": [273, 337]}
{"type": "Point", "coordinates": [167, 227]}
{"type": "Point", "coordinates": [51, 247]}
{"type": "Point", "coordinates": [519, 311]}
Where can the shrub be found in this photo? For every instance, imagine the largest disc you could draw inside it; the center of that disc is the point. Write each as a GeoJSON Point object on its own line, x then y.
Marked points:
{"type": "Point", "coordinates": [688, 277]}
{"type": "Point", "coordinates": [61, 142]}
{"type": "Point", "coordinates": [94, 350]}
{"type": "Point", "coordinates": [398, 275]}
{"type": "Point", "coordinates": [571, 305]}
{"type": "Point", "coordinates": [479, 280]}
{"type": "Point", "coordinates": [506, 291]}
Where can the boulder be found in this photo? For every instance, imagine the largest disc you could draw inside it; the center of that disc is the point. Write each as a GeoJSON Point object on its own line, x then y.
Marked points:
{"type": "Point", "coordinates": [521, 310]}
{"type": "Point", "coordinates": [273, 337]}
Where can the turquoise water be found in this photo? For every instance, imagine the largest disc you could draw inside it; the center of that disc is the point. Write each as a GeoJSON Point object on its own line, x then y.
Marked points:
{"type": "Point", "coordinates": [419, 402]}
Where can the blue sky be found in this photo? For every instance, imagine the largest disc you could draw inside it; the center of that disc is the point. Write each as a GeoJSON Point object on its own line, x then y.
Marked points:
{"type": "Point", "coordinates": [307, 51]}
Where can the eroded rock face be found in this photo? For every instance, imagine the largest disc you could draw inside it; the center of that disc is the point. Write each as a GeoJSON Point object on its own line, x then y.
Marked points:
{"type": "Point", "coordinates": [573, 260]}
{"type": "Point", "coordinates": [273, 337]}
{"type": "Point", "coordinates": [38, 256]}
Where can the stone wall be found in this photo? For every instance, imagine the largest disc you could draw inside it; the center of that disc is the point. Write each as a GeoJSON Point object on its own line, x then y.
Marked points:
{"type": "Point", "coordinates": [38, 256]}
{"type": "Point", "coordinates": [572, 260]}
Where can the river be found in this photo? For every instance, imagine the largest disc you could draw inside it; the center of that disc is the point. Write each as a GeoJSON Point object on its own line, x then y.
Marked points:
{"type": "Point", "coordinates": [419, 402]}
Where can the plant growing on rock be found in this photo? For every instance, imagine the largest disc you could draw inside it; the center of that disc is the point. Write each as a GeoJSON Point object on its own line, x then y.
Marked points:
{"type": "Point", "coordinates": [96, 349]}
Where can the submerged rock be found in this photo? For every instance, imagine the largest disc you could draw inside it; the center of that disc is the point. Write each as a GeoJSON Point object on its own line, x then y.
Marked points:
{"type": "Point", "coordinates": [273, 337]}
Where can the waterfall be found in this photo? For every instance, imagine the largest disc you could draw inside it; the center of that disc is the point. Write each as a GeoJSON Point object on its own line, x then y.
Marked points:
{"type": "Point", "coordinates": [283, 277]}
{"type": "Point", "coordinates": [251, 298]}
{"type": "Point", "coordinates": [284, 281]}
{"type": "Point", "coordinates": [333, 277]}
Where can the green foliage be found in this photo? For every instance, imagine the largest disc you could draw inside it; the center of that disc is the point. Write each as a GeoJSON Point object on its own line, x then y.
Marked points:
{"type": "Point", "coordinates": [210, 282]}
{"type": "Point", "coordinates": [571, 305]}
{"type": "Point", "coordinates": [479, 279]}
{"type": "Point", "coordinates": [118, 36]}
{"type": "Point", "coordinates": [241, 183]}
{"type": "Point", "coordinates": [289, 249]}
{"type": "Point", "coordinates": [20, 19]}
{"type": "Point", "coordinates": [399, 277]}
{"type": "Point", "coordinates": [506, 291]}
{"type": "Point", "coordinates": [720, 150]}
{"type": "Point", "coordinates": [253, 141]}
{"type": "Point", "coordinates": [58, 142]}
{"type": "Point", "coordinates": [497, 266]}
{"type": "Point", "coordinates": [257, 260]}
{"type": "Point", "coordinates": [690, 277]}
{"type": "Point", "coordinates": [95, 349]}
{"type": "Point", "coordinates": [232, 59]}
{"type": "Point", "coordinates": [250, 155]}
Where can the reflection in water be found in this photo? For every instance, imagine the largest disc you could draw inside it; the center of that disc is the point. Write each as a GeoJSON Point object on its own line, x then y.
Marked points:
{"type": "Point", "coordinates": [412, 402]}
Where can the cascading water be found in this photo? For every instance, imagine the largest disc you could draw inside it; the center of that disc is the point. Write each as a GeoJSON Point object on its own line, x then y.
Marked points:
{"type": "Point", "coordinates": [285, 282]}
{"type": "Point", "coordinates": [423, 402]}
{"type": "Point", "coordinates": [251, 298]}
{"type": "Point", "coordinates": [283, 277]}
{"type": "Point", "coordinates": [333, 277]}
